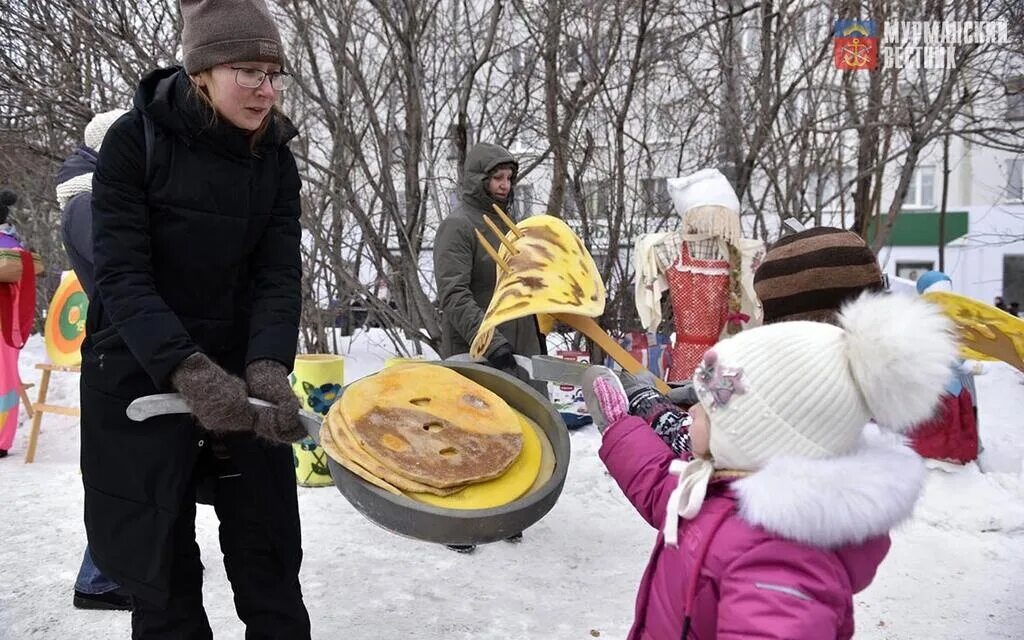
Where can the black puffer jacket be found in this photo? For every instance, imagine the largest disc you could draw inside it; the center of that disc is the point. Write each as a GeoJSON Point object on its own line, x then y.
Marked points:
{"type": "Point", "coordinates": [205, 257]}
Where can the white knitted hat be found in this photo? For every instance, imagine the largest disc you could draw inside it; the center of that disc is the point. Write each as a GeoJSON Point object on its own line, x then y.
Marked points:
{"type": "Point", "coordinates": [806, 389]}
{"type": "Point", "coordinates": [707, 203]}
{"type": "Point", "coordinates": [96, 130]}
{"type": "Point", "coordinates": [706, 187]}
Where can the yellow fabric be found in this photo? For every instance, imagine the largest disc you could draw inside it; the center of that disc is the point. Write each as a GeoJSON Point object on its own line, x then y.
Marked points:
{"type": "Point", "coordinates": [987, 333]}
{"type": "Point", "coordinates": [551, 272]}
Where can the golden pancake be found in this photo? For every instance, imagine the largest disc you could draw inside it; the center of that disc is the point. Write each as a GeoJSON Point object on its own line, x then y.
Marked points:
{"type": "Point", "coordinates": [345, 445]}
{"type": "Point", "coordinates": [328, 445]}
{"type": "Point", "coordinates": [429, 424]}
{"type": "Point", "coordinates": [515, 482]}
{"type": "Point", "coordinates": [434, 390]}
{"type": "Point", "coordinates": [431, 450]}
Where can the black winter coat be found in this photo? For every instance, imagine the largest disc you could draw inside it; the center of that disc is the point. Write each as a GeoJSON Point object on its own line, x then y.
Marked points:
{"type": "Point", "coordinates": [205, 257]}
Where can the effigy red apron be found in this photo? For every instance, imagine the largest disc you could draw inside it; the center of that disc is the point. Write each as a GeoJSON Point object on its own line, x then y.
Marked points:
{"type": "Point", "coordinates": [699, 290]}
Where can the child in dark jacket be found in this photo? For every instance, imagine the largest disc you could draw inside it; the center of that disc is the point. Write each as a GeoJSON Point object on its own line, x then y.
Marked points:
{"type": "Point", "coordinates": [780, 510]}
{"type": "Point", "coordinates": [93, 590]}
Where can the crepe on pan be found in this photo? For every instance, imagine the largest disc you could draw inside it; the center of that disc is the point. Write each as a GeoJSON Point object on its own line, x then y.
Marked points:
{"type": "Point", "coordinates": [430, 424]}
{"type": "Point", "coordinates": [345, 445]}
{"type": "Point", "coordinates": [551, 272]}
{"type": "Point", "coordinates": [537, 461]}
{"type": "Point", "coordinates": [509, 486]}
{"type": "Point", "coordinates": [328, 445]}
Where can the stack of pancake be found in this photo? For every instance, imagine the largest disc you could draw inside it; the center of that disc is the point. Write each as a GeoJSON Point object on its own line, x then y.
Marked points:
{"type": "Point", "coordinates": [426, 432]}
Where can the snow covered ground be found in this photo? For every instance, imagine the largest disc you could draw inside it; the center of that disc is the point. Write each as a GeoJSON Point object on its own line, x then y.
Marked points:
{"type": "Point", "coordinates": [954, 571]}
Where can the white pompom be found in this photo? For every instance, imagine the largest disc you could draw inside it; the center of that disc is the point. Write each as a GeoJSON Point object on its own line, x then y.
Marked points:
{"type": "Point", "coordinates": [901, 351]}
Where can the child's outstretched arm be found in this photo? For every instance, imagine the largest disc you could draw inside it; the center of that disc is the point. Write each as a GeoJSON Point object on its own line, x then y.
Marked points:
{"type": "Point", "coordinates": [638, 460]}
{"type": "Point", "coordinates": [776, 591]}
{"type": "Point", "coordinates": [671, 423]}
{"type": "Point", "coordinates": [635, 455]}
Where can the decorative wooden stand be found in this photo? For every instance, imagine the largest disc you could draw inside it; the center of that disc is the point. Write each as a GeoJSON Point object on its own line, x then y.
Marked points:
{"type": "Point", "coordinates": [23, 392]}
{"type": "Point", "coordinates": [40, 407]}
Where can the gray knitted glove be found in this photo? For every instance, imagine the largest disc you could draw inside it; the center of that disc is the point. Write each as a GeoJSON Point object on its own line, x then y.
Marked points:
{"type": "Point", "coordinates": [268, 380]}
{"type": "Point", "coordinates": [683, 394]}
{"type": "Point", "coordinates": [219, 400]}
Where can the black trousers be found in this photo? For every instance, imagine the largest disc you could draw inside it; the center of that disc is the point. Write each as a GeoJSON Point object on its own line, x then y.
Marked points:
{"type": "Point", "coordinates": [268, 598]}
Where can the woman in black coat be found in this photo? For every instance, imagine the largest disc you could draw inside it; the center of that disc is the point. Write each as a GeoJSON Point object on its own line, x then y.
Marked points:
{"type": "Point", "coordinates": [196, 243]}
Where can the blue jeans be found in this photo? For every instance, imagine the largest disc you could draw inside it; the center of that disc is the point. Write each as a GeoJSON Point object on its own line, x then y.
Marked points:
{"type": "Point", "coordinates": [90, 580]}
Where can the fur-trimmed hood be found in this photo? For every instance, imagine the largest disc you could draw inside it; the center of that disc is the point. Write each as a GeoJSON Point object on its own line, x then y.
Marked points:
{"type": "Point", "coordinates": [834, 502]}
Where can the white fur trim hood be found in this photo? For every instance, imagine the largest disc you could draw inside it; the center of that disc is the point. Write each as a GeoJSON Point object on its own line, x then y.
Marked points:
{"type": "Point", "coordinates": [834, 502]}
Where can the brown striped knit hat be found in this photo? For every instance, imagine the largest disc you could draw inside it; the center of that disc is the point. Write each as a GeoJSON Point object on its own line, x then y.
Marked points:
{"type": "Point", "coordinates": [809, 275]}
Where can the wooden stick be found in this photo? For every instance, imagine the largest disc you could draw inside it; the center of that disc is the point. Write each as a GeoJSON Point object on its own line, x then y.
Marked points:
{"type": "Point", "coordinates": [508, 221]}
{"type": "Point", "coordinates": [490, 250]}
{"type": "Point", "coordinates": [501, 236]}
{"type": "Point", "coordinates": [589, 328]}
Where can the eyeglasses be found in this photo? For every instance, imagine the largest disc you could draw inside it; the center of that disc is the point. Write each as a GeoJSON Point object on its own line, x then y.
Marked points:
{"type": "Point", "coordinates": [253, 78]}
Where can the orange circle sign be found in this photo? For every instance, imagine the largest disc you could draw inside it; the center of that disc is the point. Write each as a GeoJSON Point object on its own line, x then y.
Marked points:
{"type": "Point", "coordinates": [65, 322]}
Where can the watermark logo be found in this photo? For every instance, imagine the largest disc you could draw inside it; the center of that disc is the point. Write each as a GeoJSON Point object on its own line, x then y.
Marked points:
{"type": "Point", "coordinates": [856, 45]}
{"type": "Point", "coordinates": [934, 45]}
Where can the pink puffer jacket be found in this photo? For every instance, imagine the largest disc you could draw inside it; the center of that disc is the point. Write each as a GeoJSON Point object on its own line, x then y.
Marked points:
{"type": "Point", "coordinates": [735, 577]}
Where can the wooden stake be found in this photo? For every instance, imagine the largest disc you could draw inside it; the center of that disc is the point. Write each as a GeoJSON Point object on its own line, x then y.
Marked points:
{"type": "Point", "coordinates": [490, 251]}
{"type": "Point", "coordinates": [501, 236]}
{"type": "Point", "coordinates": [508, 221]}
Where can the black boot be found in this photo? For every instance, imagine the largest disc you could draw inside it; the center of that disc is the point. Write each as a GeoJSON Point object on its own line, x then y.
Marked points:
{"type": "Point", "coordinates": [515, 539]}
{"type": "Point", "coordinates": [114, 600]}
{"type": "Point", "coordinates": [462, 548]}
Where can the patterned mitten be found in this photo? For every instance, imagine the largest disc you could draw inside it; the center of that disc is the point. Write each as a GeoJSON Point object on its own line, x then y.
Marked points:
{"type": "Point", "coordinates": [604, 395]}
{"type": "Point", "coordinates": [671, 423]}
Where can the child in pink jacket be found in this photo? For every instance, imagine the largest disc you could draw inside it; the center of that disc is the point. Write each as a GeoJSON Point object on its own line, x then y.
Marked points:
{"type": "Point", "coordinates": [780, 510]}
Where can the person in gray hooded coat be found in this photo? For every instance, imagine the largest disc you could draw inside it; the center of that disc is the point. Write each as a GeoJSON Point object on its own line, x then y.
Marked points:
{"type": "Point", "coordinates": [465, 274]}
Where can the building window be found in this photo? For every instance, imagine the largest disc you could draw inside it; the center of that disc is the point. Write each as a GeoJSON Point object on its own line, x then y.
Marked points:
{"type": "Point", "coordinates": [524, 201]}
{"type": "Point", "coordinates": [595, 58]}
{"type": "Point", "coordinates": [656, 200]}
{"type": "Point", "coordinates": [595, 199]}
{"type": "Point", "coordinates": [656, 44]}
{"type": "Point", "coordinates": [569, 203]}
{"type": "Point", "coordinates": [750, 38]}
{"type": "Point", "coordinates": [1015, 98]}
{"type": "Point", "coordinates": [398, 144]}
{"type": "Point", "coordinates": [921, 192]}
{"type": "Point", "coordinates": [913, 270]}
{"type": "Point", "coordinates": [517, 60]}
{"type": "Point", "coordinates": [828, 184]}
{"type": "Point", "coordinates": [571, 61]}
{"type": "Point", "coordinates": [453, 139]}
{"type": "Point", "coordinates": [1015, 184]}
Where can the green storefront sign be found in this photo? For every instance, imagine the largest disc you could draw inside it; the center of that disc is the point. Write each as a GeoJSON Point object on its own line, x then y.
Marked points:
{"type": "Point", "coordinates": [921, 229]}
